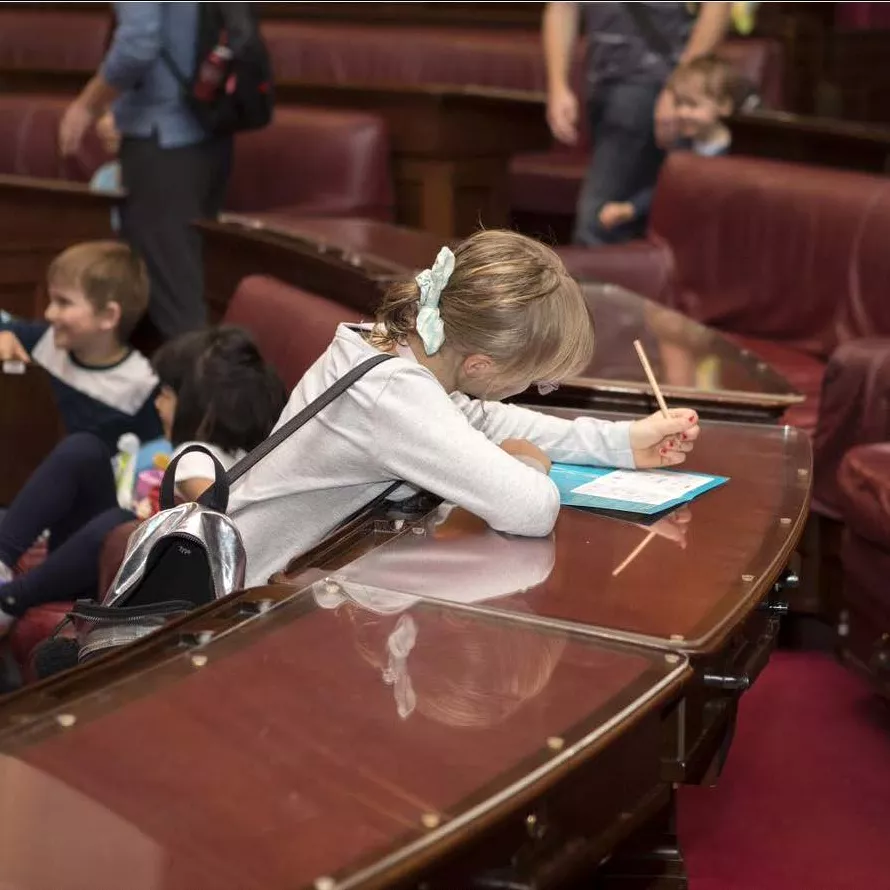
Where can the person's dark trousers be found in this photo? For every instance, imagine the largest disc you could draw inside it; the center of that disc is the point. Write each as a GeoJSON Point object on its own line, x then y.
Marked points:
{"type": "Point", "coordinates": [625, 158]}
{"type": "Point", "coordinates": [72, 493]}
{"type": "Point", "coordinates": [168, 189]}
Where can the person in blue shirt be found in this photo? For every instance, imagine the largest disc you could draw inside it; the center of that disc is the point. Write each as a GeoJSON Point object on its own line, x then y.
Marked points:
{"type": "Point", "coordinates": [98, 291]}
{"type": "Point", "coordinates": [173, 171]}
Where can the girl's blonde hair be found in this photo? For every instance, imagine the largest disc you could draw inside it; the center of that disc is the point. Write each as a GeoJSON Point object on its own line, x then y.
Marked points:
{"type": "Point", "coordinates": [510, 298]}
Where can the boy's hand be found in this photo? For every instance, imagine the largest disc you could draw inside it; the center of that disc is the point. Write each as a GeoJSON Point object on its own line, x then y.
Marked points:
{"type": "Point", "coordinates": [616, 213]}
{"type": "Point", "coordinates": [522, 448]}
{"type": "Point", "coordinates": [659, 441]}
{"type": "Point", "coordinates": [11, 349]}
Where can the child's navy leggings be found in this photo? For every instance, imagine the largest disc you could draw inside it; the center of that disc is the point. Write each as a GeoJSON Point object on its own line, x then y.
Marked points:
{"type": "Point", "coordinates": [72, 494]}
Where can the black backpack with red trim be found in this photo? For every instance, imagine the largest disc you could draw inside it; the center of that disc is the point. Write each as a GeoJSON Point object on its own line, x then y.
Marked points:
{"type": "Point", "coordinates": [231, 89]}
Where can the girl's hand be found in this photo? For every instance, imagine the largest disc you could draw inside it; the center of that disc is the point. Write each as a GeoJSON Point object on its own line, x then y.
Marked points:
{"type": "Point", "coordinates": [659, 441]}
{"type": "Point", "coordinates": [522, 448]}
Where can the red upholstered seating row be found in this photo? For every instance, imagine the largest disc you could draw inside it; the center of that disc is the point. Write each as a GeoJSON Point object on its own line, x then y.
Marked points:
{"type": "Point", "coordinates": [791, 261]}
{"type": "Point", "coordinates": [75, 40]}
{"type": "Point", "coordinates": [310, 161]}
{"type": "Point", "coordinates": [292, 328]}
{"type": "Point", "coordinates": [415, 55]}
{"type": "Point", "coordinates": [314, 162]}
{"type": "Point", "coordinates": [546, 184]}
{"type": "Point", "coordinates": [35, 39]}
{"type": "Point", "coordinates": [864, 483]}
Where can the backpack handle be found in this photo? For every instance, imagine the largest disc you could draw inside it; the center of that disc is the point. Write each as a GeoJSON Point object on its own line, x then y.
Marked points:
{"type": "Point", "coordinates": [216, 497]}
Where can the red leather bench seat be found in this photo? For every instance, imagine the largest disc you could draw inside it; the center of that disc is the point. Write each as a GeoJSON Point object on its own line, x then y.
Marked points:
{"type": "Point", "coordinates": [35, 39]}
{"type": "Point", "coordinates": [864, 484]}
{"type": "Point", "coordinates": [29, 139]}
{"type": "Point", "coordinates": [292, 327]}
{"type": "Point", "coordinates": [309, 161]}
{"type": "Point", "coordinates": [855, 411]}
{"type": "Point", "coordinates": [407, 55]}
{"type": "Point", "coordinates": [314, 161]}
{"type": "Point", "coordinates": [804, 372]}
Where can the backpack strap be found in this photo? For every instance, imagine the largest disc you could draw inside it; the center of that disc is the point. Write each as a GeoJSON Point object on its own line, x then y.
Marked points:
{"type": "Point", "coordinates": [175, 70]}
{"type": "Point", "coordinates": [249, 461]}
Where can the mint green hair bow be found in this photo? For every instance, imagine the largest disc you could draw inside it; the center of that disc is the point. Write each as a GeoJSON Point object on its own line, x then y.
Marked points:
{"type": "Point", "coordinates": [432, 282]}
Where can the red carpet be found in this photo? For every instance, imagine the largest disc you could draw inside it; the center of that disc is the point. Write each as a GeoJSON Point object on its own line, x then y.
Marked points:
{"type": "Point", "coordinates": [804, 799]}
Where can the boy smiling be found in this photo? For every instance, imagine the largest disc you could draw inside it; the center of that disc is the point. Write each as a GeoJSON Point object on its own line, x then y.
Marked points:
{"type": "Point", "coordinates": [98, 291]}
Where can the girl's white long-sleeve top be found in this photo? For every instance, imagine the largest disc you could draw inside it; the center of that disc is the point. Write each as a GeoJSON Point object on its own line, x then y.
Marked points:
{"type": "Point", "coordinates": [398, 423]}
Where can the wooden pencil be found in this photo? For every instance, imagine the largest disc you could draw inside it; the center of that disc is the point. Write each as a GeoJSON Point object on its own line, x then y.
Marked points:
{"type": "Point", "coordinates": [647, 368]}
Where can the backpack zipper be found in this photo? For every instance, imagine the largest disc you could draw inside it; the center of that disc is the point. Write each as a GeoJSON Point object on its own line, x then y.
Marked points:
{"type": "Point", "coordinates": [97, 614]}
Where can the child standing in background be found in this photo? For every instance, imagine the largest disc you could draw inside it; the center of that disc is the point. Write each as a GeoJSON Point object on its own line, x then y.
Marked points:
{"type": "Point", "coordinates": [215, 391]}
{"type": "Point", "coordinates": [487, 321]}
{"type": "Point", "coordinates": [706, 92]}
{"type": "Point", "coordinates": [98, 291]}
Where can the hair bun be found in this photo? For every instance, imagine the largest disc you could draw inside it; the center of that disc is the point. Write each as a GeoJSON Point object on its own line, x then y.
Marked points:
{"type": "Point", "coordinates": [234, 345]}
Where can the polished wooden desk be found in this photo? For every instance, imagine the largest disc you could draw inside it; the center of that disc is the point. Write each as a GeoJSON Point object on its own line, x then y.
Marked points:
{"type": "Point", "coordinates": [283, 755]}
{"type": "Point", "coordinates": [351, 261]}
{"type": "Point", "coordinates": [698, 588]}
{"type": "Point", "coordinates": [347, 260]}
{"type": "Point", "coordinates": [694, 365]}
{"type": "Point", "coordinates": [224, 711]}
{"type": "Point", "coordinates": [39, 218]}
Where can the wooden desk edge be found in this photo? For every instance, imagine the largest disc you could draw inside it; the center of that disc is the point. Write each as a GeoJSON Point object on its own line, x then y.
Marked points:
{"type": "Point", "coordinates": [435, 844]}
{"type": "Point", "coordinates": [60, 186]}
{"type": "Point", "coordinates": [725, 396]}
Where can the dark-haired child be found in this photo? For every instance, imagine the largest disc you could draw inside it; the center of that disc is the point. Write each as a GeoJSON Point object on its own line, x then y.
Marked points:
{"type": "Point", "coordinates": [216, 390]}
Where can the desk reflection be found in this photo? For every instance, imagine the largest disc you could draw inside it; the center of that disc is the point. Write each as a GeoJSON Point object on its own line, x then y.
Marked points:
{"type": "Point", "coordinates": [451, 668]}
{"type": "Point", "coordinates": [685, 354]}
{"type": "Point", "coordinates": [456, 669]}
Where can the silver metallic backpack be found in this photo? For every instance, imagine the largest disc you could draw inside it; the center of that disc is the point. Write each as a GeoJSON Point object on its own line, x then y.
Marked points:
{"type": "Point", "coordinates": [190, 554]}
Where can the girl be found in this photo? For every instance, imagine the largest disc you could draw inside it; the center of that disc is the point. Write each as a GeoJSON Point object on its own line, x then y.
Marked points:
{"type": "Point", "coordinates": [484, 323]}
{"type": "Point", "coordinates": [215, 389]}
